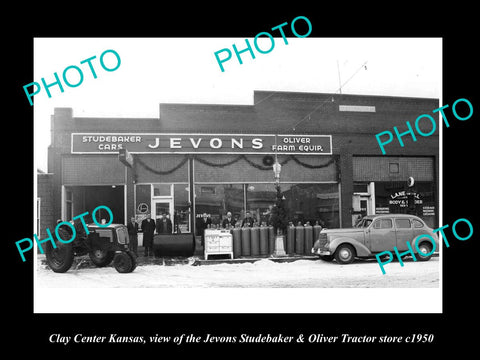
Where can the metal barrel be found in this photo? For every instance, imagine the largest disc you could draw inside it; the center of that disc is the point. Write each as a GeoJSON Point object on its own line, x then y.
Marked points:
{"type": "Point", "coordinates": [237, 242]}
{"type": "Point", "coordinates": [255, 241]}
{"type": "Point", "coordinates": [308, 239]}
{"type": "Point", "coordinates": [245, 241]}
{"type": "Point", "coordinates": [290, 248]}
{"type": "Point", "coordinates": [299, 239]}
{"type": "Point", "coordinates": [173, 245]}
{"type": "Point", "coordinates": [316, 232]}
{"type": "Point", "coordinates": [271, 239]}
{"type": "Point", "coordinates": [264, 248]}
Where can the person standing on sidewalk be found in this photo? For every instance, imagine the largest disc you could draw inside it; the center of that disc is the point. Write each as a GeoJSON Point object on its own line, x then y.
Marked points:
{"type": "Point", "coordinates": [132, 234]}
{"type": "Point", "coordinates": [148, 228]}
{"type": "Point", "coordinates": [164, 225]}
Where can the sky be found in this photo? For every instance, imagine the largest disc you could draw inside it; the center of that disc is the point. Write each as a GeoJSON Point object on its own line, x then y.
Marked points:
{"type": "Point", "coordinates": [184, 70]}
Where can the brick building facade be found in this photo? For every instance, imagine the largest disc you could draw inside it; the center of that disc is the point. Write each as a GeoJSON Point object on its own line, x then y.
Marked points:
{"type": "Point", "coordinates": [198, 158]}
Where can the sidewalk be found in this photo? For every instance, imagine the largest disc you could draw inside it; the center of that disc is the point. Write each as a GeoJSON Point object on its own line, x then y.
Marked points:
{"type": "Point", "coordinates": [196, 260]}
{"type": "Point", "coordinates": [249, 259]}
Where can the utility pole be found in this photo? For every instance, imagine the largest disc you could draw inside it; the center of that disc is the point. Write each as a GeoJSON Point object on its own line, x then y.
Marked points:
{"type": "Point", "coordinates": [339, 80]}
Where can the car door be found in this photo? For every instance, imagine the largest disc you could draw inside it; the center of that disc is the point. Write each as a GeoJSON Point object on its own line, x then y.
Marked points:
{"type": "Point", "coordinates": [382, 235]}
{"type": "Point", "coordinates": [404, 232]}
{"type": "Point", "coordinates": [418, 228]}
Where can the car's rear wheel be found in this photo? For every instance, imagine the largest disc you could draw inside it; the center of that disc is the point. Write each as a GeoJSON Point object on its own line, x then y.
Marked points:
{"type": "Point", "coordinates": [345, 254]}
{"type": "Point", "coordinates": [424, 248]}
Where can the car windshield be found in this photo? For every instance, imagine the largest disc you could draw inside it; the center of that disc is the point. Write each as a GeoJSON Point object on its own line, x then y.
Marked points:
{"type": "Point", "coordinates": [364, 223]}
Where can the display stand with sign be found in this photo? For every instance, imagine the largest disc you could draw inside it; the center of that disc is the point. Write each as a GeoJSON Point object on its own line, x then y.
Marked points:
{"type": "Point", "coordinates": [218, 242]}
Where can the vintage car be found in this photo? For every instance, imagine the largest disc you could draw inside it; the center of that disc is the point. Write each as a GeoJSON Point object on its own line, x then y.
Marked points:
{"type": "Point", "coordinates": [375, 234]}
{"type": "Point", "coordinates": [102, 244]}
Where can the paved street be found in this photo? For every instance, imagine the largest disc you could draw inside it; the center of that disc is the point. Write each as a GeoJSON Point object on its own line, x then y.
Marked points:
{"type": "Point", "coordinates": [261, 274]}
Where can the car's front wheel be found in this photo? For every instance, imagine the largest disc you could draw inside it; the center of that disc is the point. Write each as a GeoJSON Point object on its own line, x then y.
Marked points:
{"type": "Point", "coordinates": [345, 254]}
{"type": "Point", "coordinates": [424, 248]}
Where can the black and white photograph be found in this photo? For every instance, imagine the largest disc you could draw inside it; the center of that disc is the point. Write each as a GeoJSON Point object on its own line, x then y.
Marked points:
{"type": "Point", "coordinates": [250, 183]}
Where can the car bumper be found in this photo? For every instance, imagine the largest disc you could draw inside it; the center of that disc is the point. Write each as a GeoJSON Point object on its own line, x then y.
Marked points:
{"type": "Point", "coordinates": [321, 252]}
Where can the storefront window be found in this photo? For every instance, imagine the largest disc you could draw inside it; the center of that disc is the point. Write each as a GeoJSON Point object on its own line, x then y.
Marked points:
{"type": "Point", "coordinates": [304, 202]}
{"type": "Point", "coordinates": [142, 202]}
{"type": "Point", "coordinates": [394, 197]}
{"type": "Point", "coordinates": [217, 200]}
{"type": "Point", "coordinates": [162, 190]}
{"type": "Point", "coordinates": [260, 200]}
{"type": "Point", "coordinates": [312, 203]}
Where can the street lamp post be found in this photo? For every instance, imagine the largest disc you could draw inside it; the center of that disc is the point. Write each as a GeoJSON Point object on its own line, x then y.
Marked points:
{"type": "Point", "coordinates": [279, 237]}
{"type": "Point", "coordinates": [277, 168]}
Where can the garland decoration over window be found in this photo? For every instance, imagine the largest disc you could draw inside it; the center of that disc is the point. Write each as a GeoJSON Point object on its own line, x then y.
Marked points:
{"type": "Point", "coordinates": [139, 161]}
{"type": "Point", "coordinates": [262, 167]}
{"type": "Point", "coordinates": [198, 158]}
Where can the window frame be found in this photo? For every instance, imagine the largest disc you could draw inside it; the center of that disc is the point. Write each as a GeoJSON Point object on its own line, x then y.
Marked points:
{"type": "Point", "coordinates": [403, 219]}
{"type": "Point", "coordinates": [422, 225]}
{"type": "Point", "coordinates": [379, 221]}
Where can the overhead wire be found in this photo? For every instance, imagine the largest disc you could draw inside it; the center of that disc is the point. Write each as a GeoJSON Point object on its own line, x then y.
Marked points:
{"type": "Point", "coordinates": [364, 65]}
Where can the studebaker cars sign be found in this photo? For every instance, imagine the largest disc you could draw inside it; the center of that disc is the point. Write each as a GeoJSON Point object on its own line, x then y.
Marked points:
{"type": "Point", "coordinates": [151, 143]}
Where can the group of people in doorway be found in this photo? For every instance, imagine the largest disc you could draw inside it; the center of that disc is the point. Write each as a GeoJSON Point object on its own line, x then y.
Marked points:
{"type": "Point", "coordinates": [163, 225]}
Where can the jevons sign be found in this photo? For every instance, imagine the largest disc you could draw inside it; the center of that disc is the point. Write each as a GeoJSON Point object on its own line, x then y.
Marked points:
{"type": "Point", "coordinates": [140, 143]}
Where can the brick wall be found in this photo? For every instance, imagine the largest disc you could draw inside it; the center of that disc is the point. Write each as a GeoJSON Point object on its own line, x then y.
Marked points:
{"type": "Point", "coordinates": [45, 193]}
{"type": "Point", "coordinates": [92, 170]}
{"type": "Point", "coordinates": [378, 168]}
{"type": "Point", "coordinates": [161, 168]}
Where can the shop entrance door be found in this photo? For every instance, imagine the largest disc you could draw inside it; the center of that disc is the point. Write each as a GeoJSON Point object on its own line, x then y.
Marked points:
{"type": "Point", "coordinates": [80, 199]}
{"type": "Point", "coordinates": [361, 206]}
{"type": "Point", "coordinates": [163, 206]}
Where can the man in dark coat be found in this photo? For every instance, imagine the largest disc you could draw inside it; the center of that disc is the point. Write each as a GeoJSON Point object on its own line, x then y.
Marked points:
{"type": "Point", "coordinates": [132, 228]}
{"type": "Point", "coordinates": [164, 225]}
{"type": "Point", "coordinates": [198, 224]}
{"type": "Point", "coordinates": [148, 228]}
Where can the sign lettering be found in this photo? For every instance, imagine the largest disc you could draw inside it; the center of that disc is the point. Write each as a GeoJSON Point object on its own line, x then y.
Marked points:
{"type": "Point", "coordinates": [140, 143]}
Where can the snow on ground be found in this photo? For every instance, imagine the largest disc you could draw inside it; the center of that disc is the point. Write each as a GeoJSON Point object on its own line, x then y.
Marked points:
{"type": "Point", "coordinates": [261, 274]}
